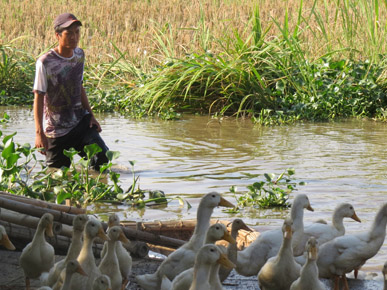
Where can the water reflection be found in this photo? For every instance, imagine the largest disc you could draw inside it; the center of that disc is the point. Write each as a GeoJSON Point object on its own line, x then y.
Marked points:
{"type": "Point", "coordinates": [341, 162]}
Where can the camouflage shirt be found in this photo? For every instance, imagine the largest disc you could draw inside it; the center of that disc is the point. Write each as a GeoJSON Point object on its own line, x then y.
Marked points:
{"type": "Point", "coordinates": [60, 80]}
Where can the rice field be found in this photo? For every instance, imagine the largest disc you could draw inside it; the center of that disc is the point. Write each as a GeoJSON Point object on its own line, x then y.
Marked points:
{"type": "Point", "coordinates": [148, 31]}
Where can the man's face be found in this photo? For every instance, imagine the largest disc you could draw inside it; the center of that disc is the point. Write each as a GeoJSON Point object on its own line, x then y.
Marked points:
{"type": "Point", "coordinates": [69, 37]}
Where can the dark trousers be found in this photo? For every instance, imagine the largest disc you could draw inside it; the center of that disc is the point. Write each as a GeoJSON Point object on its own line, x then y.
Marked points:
{"type": "Point", "coordinates": [77, 138]}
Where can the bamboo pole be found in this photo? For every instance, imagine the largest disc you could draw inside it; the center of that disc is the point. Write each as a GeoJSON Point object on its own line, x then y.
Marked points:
{"type": "Point", "coordinates": [35, 211]}
{"type": "Point", "coordinates": [183, 230]}
{"type": "Point", "coordinates": [66, 218]}
{"type": "Point", "coordinates": [24, 235]}
{"type": "Point", "coordinates": [62, 239]}
{"type": "Point", "coordinates": [26, 220]}
{"type": "Point", "coordinates": [44, 204]}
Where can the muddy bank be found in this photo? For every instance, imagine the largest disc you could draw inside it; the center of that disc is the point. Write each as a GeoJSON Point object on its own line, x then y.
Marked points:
{"type": "Point", "coordinates": [11, 275]}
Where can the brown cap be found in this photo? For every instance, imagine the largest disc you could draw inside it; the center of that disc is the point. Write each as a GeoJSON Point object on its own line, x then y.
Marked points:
{"type": "Point", "coordinates": [65, 20]}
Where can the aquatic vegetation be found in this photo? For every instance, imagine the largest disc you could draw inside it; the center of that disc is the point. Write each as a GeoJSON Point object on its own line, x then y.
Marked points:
{"type": "Point", "coordinates": [272, 191]}
{"type": "Point", "coordinates": [22, 173]}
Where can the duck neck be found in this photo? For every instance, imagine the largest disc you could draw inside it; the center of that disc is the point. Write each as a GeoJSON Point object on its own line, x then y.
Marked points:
{"type": "Point", "coordinates": [75, 246]}
{"type": "Point", "coordinates": [86, 251]}
{"type": "Point", "coordinates": [379, 226]}
{"type": "Point", "coordinates": [202, 225]}
{"type": "Point", "coordinates": [39, 235]}
{"type": "Point", "coordinates": [297, 215]}
{"type": "Point", "coordinates": [232, 248]}
{"type": "Point", "coordinates": [111, 250]}
{"type": "Point", "coordinates": [201, 276]}
{"type": "Point", "coordinates": [310, 269]}
{"type": "Point", "coordinates": [67, 281]}
{"type": "Point", "coordinates": [337, 222]}
{"type": "Point", "coordinates": [286, 249]}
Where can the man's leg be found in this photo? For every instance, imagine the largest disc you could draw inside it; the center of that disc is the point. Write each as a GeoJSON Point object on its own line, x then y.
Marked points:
{"type": "Point", "coordinates": [54, 154]}
{"type": "Point", "coordinates": [87, 136]}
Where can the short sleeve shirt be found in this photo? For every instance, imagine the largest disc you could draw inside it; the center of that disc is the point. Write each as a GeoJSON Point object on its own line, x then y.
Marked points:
{"type": "Point", "coordinates": [60, 80]}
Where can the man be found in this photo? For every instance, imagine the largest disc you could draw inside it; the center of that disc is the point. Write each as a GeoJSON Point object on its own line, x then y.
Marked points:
{"type": "Point", "coordinates": [62, 113]}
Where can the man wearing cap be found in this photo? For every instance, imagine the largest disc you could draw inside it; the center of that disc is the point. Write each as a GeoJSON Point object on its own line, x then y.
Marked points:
{"type": "Point", "coordinates": [62, 113]}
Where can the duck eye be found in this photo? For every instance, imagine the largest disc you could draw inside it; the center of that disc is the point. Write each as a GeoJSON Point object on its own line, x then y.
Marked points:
{"type": "Point", "coordinates": [213, 195]}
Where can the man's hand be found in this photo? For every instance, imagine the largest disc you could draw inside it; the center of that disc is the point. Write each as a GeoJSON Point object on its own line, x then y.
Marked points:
{"type": "Point", "coordinates": [41, 143]}
{"type": "Point", "coordinates": [94, 122]}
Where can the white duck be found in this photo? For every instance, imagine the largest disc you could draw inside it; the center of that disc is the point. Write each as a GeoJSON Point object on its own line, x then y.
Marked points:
{"type": "Point", "coordinates": [75, 247]}
{"type": "Point", "coordinates": [102, 283]}
{"type": "Point", "coordinates": [308, 279]}
{"type": "Point", "coordinates": [86, 259]}
{"type": "Point", "coordinates": [124, 258]}
{"type": "Point", "coordinates": [38, 256]}
{"type": "Point", "coordinates": [4, 239]}
{"type": "Point", "coordinates": [325, 232]}
{"type": "Point", "coordinates": [183, 258]}
{"type": "Point", "coordinates": [205, 259]}
{"type": "Point", "coordinates": [232, 249]}
{"type": "Point", "coordinates": [280, 271]}
{"type": "Point", "coordinates": [384, 272]}
{"type": "Point", "coordinates": [109, 264]}
{"type": "Point", "coordinates": [349, 252]}
{"type": "Point", "coordinates": [184, 280]}
{"type": "Point", "coordinates": [251, 259]}
{"type": "Point", "coordinates": [71, 267]}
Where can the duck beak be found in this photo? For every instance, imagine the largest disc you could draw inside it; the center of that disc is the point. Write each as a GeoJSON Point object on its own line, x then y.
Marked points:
{"type": "Point", "coordinates": [225, 203]}
{"type": "Point", "coordinates": [80, 271]}
{"type": "Point", "coordinates": [223, 260]}
{"type": "Point", "coordinates": [102, 235]}
{"type": "Point", "coordinates": [246, 228]}
{"type": "Point", "coordinates": [309, 207]}
{"type": "Point", "coordinates": [7, 243]}
{"type": "Point", "coordinates": [227, 237]}
{"type": "Point", "coordinates": [313, 253]}
{"type": "Point", "coordinates": [288, 232]}
{"type": "Point", "coordinates": [49, 231]}
{"type": "Point", "coordinates": [355, 217]}
{"type": "Point", "coordinates": [123, 238]}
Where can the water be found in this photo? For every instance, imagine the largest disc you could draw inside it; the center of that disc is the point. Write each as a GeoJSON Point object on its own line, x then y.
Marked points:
{"type": "Point", "coordinates": [340, 162]}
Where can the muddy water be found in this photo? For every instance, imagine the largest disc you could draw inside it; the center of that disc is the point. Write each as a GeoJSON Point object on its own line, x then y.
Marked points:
{"type": "Point", "coordinates": [340, 162]}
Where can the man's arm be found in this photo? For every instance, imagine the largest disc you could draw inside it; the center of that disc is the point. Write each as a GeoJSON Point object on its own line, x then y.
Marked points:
{"type": "Point", "coordinates": [86, 105]}
{"type": "Point", "coordinates": [40, 137]}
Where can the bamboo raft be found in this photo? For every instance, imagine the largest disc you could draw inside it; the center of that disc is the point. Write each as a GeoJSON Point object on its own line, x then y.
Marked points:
{"type": "Point", "coordinates": [20, 216]}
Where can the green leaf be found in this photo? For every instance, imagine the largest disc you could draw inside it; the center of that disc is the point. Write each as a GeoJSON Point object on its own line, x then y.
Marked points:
{"type": "Point", "coordinates": [6, 138]}
{"type": "Point", "coordinates": [111, 155]}
{"type": "Point", "coordinates": [62, 196]}
{"type": "Point", "coordinates": [9, 148]}
{"type": "Point", "coordinates": [91, 150]}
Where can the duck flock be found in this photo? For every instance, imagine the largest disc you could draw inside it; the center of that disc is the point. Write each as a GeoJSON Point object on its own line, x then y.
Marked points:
{"type": "Point", "coordinates": [294, 257]}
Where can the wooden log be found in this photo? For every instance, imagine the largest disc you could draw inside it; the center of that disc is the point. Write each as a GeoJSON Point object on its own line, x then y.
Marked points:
{"type": "Point", "coordinates": [61, 241]}
{"type": "Point", "coordinates": [26, 220]}
{"type": "Point", "coordinates": [183, 230]}
{"type": "Point", "coordinates": [44, 204]}
{"type": "Point", "coordinates": [67, 219]}
{"type": "Point", "coordinates": [150, 237]}
{"type": "Point", "coordinates": [21, 236]}
{"type": "Point", "coordinates": [35, 211]}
